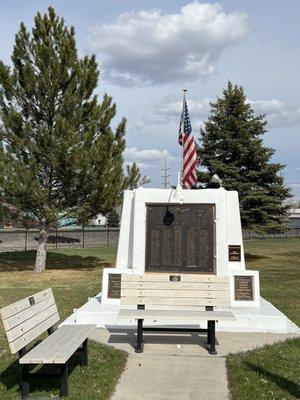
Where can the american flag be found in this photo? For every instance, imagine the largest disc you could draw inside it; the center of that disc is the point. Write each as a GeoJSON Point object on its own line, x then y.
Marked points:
{"type": "Point", "coordinates": [189, 155]}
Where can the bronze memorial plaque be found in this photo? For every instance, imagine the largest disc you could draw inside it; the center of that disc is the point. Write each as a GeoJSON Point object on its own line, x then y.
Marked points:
{"type": "Point", "coordinates": [114, 286]}
{"type": "Point", "coordinates": [180, 238]}
{"type": "Point", "coordinates": [234, 253]}
{"type": "Point", "coordinates": [243, 288]}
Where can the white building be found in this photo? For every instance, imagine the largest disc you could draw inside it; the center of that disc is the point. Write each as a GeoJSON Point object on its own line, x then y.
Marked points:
{"type": "Point", "coordinates": [99, 220]}
{"type": "Point", "coordinates": [294, 218]}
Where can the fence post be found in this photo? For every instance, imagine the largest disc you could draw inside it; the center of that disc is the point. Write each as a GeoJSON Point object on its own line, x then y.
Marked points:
{"type": "Point", "coordinates": [56, 236]}
{"type": "Point", "coordinates": [107, 235]}
{"type": "Point", "coordinates": [83, 236]}
{"type": "Point", "coordinates": [26, 233]}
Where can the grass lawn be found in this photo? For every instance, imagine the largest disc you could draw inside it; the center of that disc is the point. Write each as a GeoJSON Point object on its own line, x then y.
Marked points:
{"type": "Point", "coordinates": [75, 274]}
{"type": "Point", "coordinates": [272, 372]}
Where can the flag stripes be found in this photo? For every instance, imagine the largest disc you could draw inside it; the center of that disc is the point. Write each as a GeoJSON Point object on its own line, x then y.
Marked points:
{"type": "Point", "coordinates": [189, 154]}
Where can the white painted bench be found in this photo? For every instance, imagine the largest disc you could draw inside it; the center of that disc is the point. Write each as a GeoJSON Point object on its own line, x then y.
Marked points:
{"type": "Point", "coordinates": [27, 319]}
{"type": "Point", "coordinates": [178, 297]}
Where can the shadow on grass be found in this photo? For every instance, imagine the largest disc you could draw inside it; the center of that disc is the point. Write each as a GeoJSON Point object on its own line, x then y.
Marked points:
{"type": "Point", "coordinates": [24, 261]}
{"type": "Point", "coordinates": [11, 376]}
{"type": "Point", "coordinates": [254, 257]}
{"type": "Point", "coordinates": [291, 387]}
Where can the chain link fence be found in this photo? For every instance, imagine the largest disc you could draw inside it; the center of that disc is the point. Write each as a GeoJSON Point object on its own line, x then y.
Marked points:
{"type": "Point", "coordinates": [290, 233]}
{"type": "Point", "coordinates": [27, 239]}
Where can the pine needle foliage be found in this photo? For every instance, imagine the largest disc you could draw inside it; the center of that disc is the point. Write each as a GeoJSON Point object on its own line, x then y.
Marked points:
{"type": "Point", "coordinates": [59, 153]}
{"type": "Point", "coordinates": [231, 145]}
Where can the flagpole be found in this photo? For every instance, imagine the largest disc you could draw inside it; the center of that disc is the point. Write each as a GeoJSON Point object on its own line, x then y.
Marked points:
{"type": "Point", "coordinates": [182, 147]}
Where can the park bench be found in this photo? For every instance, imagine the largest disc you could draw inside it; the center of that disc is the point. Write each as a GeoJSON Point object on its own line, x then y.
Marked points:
{"type": "Point", "coordinates": [178, 298]}
{"type": "Point", "coordinates": [27, 319]}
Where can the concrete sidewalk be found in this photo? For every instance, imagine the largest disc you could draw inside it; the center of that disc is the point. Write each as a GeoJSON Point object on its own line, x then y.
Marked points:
{"type": "Point", "coordinates": [177, 366]}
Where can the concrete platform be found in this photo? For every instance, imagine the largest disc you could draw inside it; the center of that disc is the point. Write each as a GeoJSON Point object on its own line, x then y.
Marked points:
{"type": "Point", "coordinates": [265, 319]}
{"type": "Point", "coordinates": [178, 367]}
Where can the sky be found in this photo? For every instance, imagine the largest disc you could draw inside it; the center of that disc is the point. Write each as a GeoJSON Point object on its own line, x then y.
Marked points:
{"type": "Point", "coordinates": [149, 51]}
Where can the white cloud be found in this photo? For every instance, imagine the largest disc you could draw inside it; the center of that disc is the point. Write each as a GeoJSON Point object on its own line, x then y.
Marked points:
{"type": "Point", "coordinates": [278, 113]}
{"type": "Point", "coordinates": [199, 108]}
{"type": "Point", "coordinates": [155, 47]}
{"type": "Point", "coordinates": [133, 154]}
{"type": "Point", "coordinates": [139, 164]}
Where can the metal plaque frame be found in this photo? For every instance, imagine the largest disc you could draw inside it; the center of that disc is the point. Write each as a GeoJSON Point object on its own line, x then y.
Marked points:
{"type": "Point", "coordinates": [187, 245]}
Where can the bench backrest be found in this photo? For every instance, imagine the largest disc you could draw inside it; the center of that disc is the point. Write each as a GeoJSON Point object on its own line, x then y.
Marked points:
{"type": "Point", "coordinates": [190, 291]}
{"type": "Point", "coordinates": [26, 319]}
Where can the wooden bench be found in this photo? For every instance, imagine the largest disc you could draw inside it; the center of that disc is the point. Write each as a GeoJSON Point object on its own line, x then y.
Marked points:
{"type": "Point", "coordinates": [27, 319]}
{"type": "Point", "coordinates": [175, 297]}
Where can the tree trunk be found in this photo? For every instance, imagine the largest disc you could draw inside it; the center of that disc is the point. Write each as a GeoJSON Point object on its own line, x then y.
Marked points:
{"type": "Point", "coordinates": [40, 261]}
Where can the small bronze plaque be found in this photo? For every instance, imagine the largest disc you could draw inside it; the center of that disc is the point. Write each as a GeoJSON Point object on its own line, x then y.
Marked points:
{"type": "Point", "coordinates": [175, 278]}
{"type": "Point", "coordinates": [234, 253]}
{"type": "Point", "coordinates": [243, 288]}
{"type": "Point", "coordinates": [114, 286]}
{"type": "Point", "coordinates": [31, 301]}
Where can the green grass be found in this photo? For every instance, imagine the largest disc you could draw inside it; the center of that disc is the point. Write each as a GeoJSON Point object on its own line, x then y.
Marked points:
{"type": "Point", "coordinates": [272, 372]}
{"type": "Point", "coordinates": [74, 275]}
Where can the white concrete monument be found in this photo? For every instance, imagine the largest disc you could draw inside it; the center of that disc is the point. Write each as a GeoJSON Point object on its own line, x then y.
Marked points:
{"type": "Point", "coordinates": [214, 247]}
{"type": "Point", "coordinates": [184, 231]}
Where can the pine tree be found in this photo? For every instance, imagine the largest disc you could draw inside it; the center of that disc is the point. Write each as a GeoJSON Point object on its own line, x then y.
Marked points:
{"type": "Point", "coordinates": [231, 145]}
{"type": "Point", "coordinates": [60, 156]}
{"type": "Point", "coordinates": [132, 179]}
{"type": "Point", "coordinates": [113, 219]}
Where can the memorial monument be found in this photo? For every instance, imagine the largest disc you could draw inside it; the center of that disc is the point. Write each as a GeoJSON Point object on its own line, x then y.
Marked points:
{"type": "Point", "coordinates": [179, 232]}
{"type": "Point", "coordinates": [182, 231]}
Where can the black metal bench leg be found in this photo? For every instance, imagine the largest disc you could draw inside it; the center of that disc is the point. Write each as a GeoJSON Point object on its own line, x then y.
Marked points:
{"type": "Point", "coordinates": [208, 332]}
{"type": "Point", "coordinates": [25, 381]}
{"type": "Point", "coordinates": [64, 380]}
{"type": "Point", "coordinates": [84, 355]}
{"type": "Point", "coordinates": [212, 349]}
{"type": "Point", "coordinates": [50, 330]}
{"type": "Point", "coordinates": [139, 341]}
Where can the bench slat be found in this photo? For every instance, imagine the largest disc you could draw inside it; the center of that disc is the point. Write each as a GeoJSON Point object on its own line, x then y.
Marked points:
{"type": "Point", "coordinates": [175, 301]}
{"type": "Point", "coordinates": [33, 333]}
{"type": "Point", "coordinates": [175, 285]}
{"type": "Point", "coordinates": [66, 351]}
{"type": "Point", "coordinates": [15, 308]}
{"type": "Point", "coordinates": [166, 278]}
{"type": "Point", "coordinates": [26, 326]}
{"type": "Point", "coordinates": [176, 293]}
{"type": "Point", "coordinates": [49, 346]}
{"type": "Point", "coordinates": [191, 315]}
{"type": "Point", "coordinates": [58, 347]}
{"type": "Point", "coordinates": [22, 316]}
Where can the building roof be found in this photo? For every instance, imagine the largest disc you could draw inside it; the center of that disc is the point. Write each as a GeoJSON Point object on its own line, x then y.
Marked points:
{"type": "Point", "coordinates": [294, 213]}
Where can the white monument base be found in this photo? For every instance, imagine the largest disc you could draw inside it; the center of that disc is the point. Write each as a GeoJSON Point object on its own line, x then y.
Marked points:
{"type": "Point", "coordinates": [265, 319]}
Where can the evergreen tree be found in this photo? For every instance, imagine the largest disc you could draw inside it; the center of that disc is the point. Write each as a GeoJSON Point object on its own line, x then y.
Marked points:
{"type": "Point", "coordinates": [113, 219]}
{"type": "Point", "coordinates": [231, 145]}
{"type": "Point", "coordinates": [58, 153]}
{"type": "Point", "coordinates": [132, 179]}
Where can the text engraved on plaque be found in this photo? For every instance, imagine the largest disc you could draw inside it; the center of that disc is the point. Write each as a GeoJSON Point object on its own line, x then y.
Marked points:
{"type": "Point", "coordinates": [114, 286]}
{"type": "Point", "coordinates": [234, 253]}
{"type": "Point", "coordinates": [243, 288]}
{"type": "Point", "coordinates": [186, 244]}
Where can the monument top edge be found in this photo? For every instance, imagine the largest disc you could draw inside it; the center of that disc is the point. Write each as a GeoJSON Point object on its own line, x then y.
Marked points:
{"type": "Point", "coordinates": [185, 191]}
